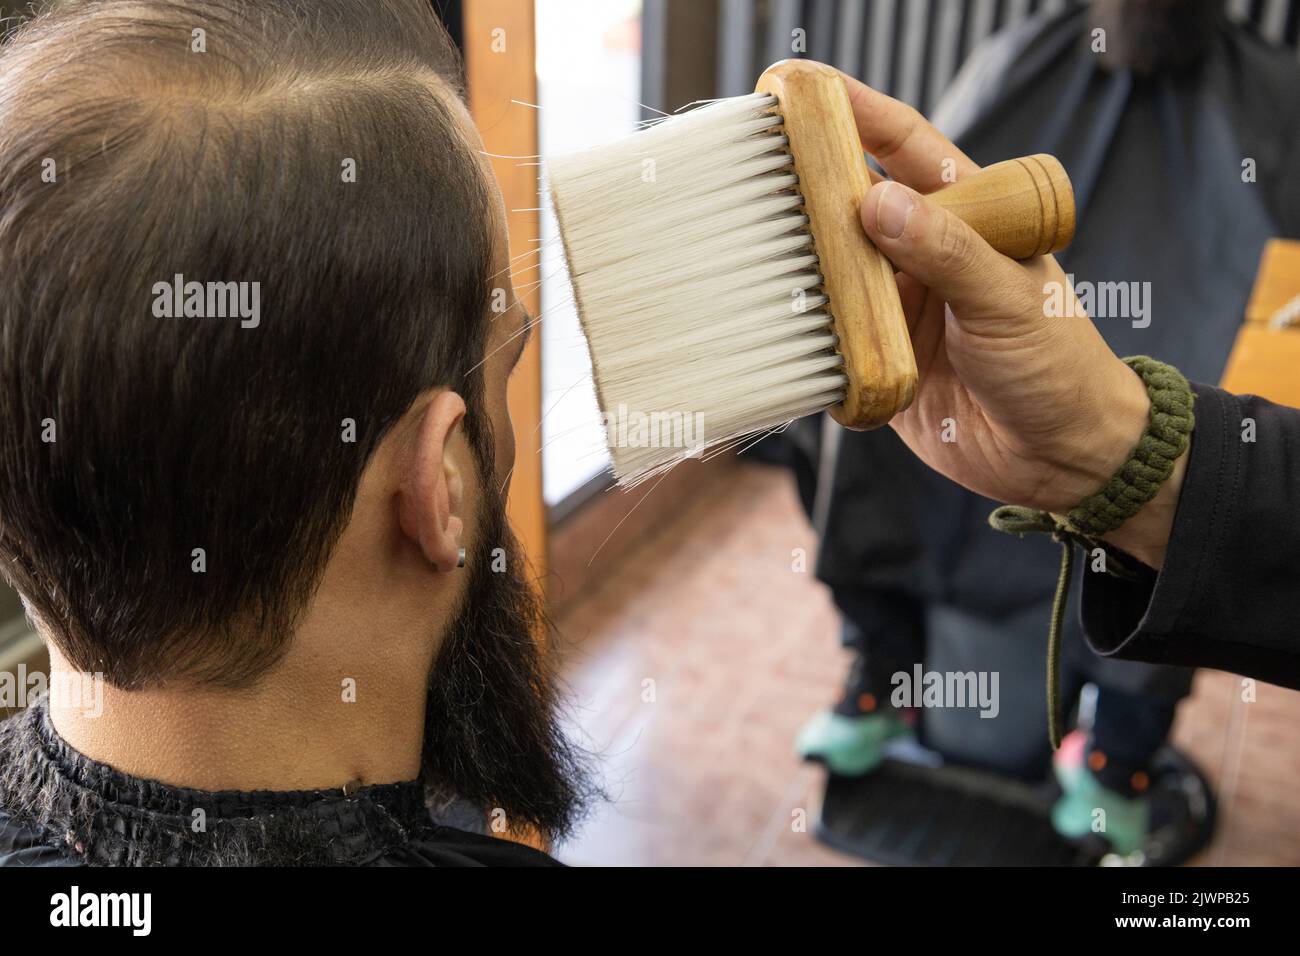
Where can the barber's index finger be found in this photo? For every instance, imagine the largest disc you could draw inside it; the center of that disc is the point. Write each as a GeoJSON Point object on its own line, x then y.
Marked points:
{"type": "Point", "coordinates": [903, 141]}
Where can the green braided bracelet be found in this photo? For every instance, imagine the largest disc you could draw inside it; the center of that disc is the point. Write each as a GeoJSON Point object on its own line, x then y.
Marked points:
{"type": "Point", "coordinates": [1137, 481]}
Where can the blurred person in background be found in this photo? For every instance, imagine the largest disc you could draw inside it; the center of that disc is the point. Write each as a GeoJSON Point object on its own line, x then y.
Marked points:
{"type": "Point", "coordinates": [1179, 131]}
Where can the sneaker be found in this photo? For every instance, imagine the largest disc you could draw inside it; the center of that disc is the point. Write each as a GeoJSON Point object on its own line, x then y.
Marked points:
{"type": "Point", "coordinates": [849, 746]}
{"type": "Point", "coordinates": [1126, 820]}
{"type": "Point", "coordinates": [850, 738]}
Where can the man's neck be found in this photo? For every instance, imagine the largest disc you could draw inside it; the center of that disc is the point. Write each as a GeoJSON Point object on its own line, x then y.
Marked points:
{"type": "Point", "coordinates": [300, 728]}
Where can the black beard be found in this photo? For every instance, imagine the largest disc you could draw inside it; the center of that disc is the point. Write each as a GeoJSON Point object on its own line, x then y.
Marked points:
{"type": "Point", "coordinates": [492, 732]}
{"type": "Point", "coordinates": [1155, 36]}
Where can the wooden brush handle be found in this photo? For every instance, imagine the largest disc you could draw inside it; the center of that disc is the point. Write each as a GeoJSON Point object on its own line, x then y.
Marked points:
{"type": "Point", "coordinates": [1021, 207]}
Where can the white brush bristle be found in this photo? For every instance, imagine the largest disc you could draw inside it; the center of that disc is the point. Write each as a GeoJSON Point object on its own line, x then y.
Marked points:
{"type": "Point", "coordinates": [696, 283]}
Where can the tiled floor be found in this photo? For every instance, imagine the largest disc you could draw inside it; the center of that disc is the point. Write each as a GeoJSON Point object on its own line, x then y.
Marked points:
{"type": "Point", "coordinates": [695, 660]}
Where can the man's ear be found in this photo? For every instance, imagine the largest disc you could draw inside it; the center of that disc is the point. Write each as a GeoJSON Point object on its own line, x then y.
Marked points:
{"type": "Point", "coordinates": [432, 494]}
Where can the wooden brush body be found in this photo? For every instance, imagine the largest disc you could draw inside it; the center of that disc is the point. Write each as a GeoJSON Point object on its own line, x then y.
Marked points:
{"type": "Point", "coordinates": [1023, 207]}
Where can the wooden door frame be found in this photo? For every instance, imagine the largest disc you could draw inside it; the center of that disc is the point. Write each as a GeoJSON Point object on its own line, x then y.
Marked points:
{"type": "Point", "coordinates": [500, 46]}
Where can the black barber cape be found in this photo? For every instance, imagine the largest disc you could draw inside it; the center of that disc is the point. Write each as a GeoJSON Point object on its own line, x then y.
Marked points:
{"type": "Point", "coordinates": [59, 808]}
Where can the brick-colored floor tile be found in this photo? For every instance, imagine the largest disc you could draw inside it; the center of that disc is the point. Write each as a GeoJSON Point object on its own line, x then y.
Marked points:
{"type": "Point", "coordinates": [740, 649]}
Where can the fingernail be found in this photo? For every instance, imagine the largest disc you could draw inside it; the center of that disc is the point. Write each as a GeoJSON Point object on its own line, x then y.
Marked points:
{"type": "Point", "coordinates": [893, 209]}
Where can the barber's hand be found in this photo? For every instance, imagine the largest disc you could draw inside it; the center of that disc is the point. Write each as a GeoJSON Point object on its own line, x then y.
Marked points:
{"type": "Point", "coordinates": [1014, 405]}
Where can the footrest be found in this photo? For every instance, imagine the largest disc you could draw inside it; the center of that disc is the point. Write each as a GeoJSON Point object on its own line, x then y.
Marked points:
{"type": "Point", "coordinates": [916, 811]}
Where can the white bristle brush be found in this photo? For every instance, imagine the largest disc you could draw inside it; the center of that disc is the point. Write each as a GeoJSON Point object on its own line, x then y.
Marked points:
{"type": "Point", "coordinates": [723, 279]}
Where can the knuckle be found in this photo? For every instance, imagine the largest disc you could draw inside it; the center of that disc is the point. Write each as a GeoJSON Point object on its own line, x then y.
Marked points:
{"type": "Point", "coordinates": [953, 249]}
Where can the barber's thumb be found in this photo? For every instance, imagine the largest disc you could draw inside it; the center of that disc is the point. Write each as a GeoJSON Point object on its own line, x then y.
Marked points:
{"type": "Point", "coordinates": [933, 246]}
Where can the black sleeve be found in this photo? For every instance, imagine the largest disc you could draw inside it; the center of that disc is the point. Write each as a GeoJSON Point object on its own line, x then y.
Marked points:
{"type": "Point", "coordinates": [1227, 595]}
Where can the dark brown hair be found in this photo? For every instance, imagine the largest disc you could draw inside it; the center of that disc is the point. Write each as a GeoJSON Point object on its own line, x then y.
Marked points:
{"type": "Point", "coordinates": [174, 434]}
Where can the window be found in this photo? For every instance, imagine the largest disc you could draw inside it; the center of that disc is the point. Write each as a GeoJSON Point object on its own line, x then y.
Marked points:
{"type": "Point", "coordinates": [588, 83]}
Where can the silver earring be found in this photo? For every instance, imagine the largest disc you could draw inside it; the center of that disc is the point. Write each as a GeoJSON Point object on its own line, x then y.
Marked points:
{"type": "Point", "coordinates": [460, 558]}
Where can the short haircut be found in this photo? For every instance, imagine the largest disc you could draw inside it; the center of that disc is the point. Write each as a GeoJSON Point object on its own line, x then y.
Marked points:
{"type": "Point", "coordinates": [296, 144]}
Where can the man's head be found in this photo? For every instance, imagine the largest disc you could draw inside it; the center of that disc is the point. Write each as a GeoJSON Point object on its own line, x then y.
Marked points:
{"type": "Point", "coordinates": [251, 383]}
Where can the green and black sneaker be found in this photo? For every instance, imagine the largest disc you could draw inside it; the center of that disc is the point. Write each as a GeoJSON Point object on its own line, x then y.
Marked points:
{"type": "Point", "coordinates": [850, 738]}
{"type": "Point", "coordinates": [1088, 807]}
